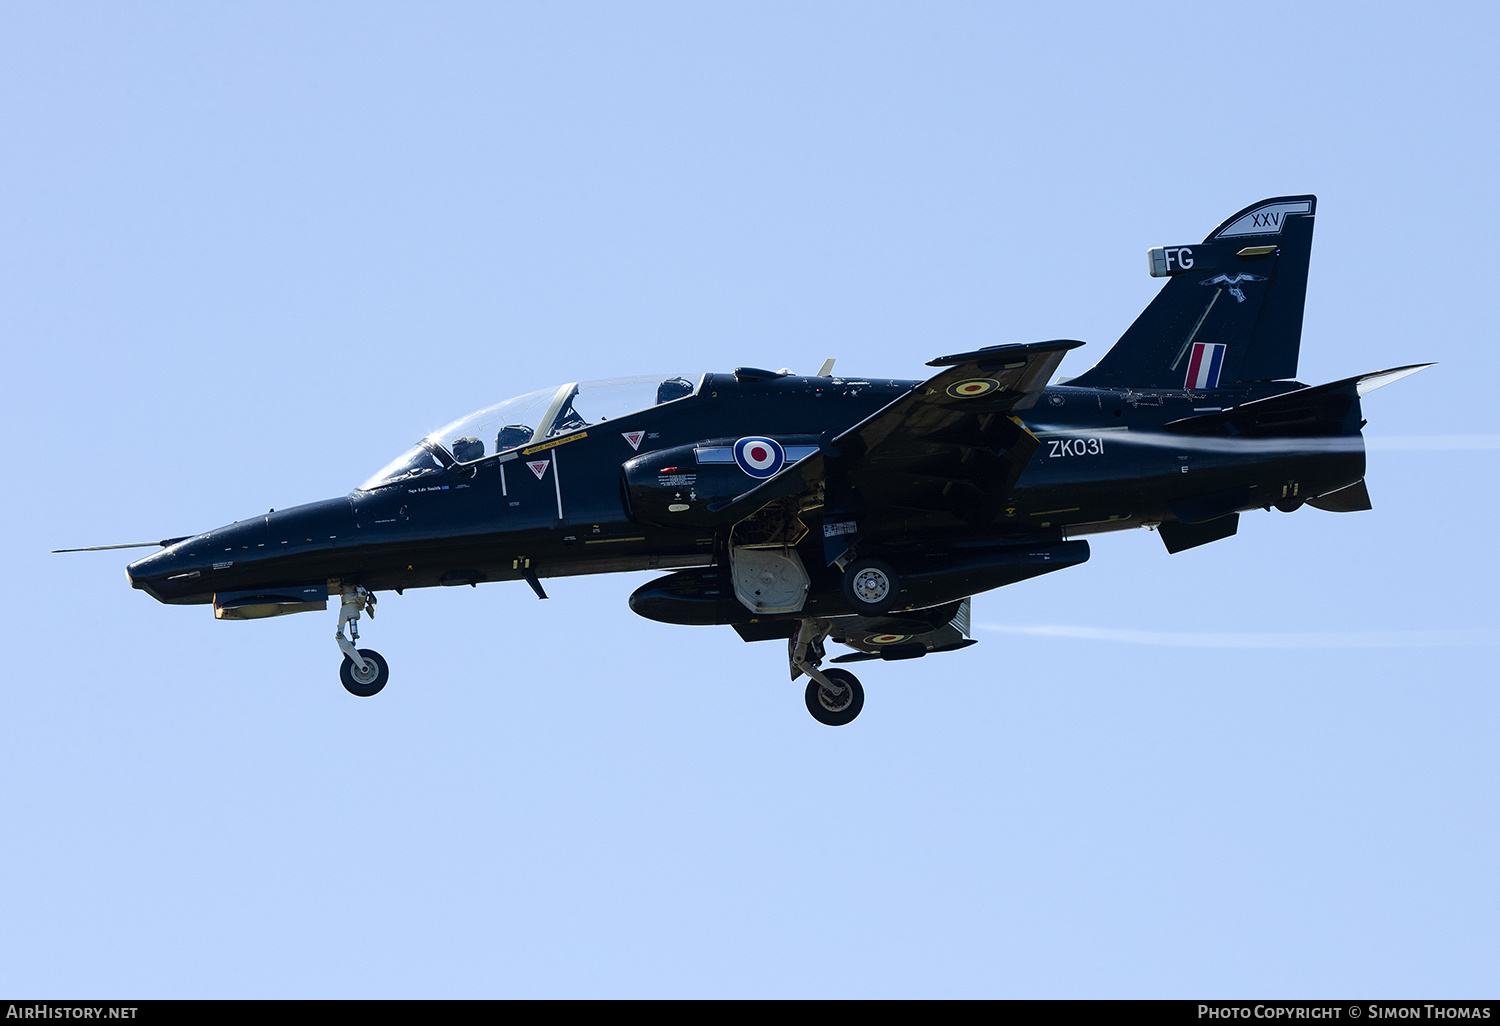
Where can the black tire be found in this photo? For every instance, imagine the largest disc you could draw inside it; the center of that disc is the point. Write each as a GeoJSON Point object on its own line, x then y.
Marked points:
{"type": "Point", "coordinates": [835, 710]}
{"type": "Point", "coordinates": [871, 587]}
{"type": "Point", "coordinates": [355, 684]}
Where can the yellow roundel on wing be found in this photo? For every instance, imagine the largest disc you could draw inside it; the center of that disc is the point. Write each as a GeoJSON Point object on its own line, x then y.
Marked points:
{"type": "Point", "coordinates": [972, 388]}
{"type": "Point", "coordinates": [886, 639]}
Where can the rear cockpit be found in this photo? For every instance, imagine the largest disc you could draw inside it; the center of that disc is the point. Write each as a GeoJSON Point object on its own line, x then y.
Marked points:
{"type": "Point", "coordinates": [531, 418]}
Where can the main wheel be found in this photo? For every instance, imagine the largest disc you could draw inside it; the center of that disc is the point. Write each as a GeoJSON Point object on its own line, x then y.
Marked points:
{"type": "Point", "coordinates": [371, 681]}
{"type": "Point", "coordinates": [835, 710]}
{"type": "Point", "coordinates": [871, 586]}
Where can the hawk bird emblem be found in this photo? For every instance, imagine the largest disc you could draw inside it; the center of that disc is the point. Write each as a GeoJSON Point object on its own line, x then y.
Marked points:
{"type": "Point", "coordinates": [1233, 281]}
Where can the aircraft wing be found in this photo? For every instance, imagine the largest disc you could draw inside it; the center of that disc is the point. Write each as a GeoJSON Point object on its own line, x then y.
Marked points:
{"type": "Point", "coordinates": [997, 380]}
{"type": "Point", "coordinates": [951, 443]}
{"type": "Point", "coordinates": [904, 636]}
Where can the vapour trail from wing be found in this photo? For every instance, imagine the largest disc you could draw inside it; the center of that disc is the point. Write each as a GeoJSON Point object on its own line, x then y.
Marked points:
{"type": "Point", "coordinates": [1224, 639]}
{"type": "Point", "coordinates": [1245, 446]}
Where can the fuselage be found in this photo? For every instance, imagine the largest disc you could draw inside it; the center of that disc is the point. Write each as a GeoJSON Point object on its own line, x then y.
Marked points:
{"type": "Point", "coordinates": [860, 512]}
{"type": "Point", "coordinates": [558, 506]}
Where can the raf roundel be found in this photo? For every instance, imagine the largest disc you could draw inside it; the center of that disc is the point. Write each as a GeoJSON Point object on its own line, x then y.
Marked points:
{"type": "Point", "coordinates": [759, 457]}
{"type": "Point", "coordinates": [973, 388]}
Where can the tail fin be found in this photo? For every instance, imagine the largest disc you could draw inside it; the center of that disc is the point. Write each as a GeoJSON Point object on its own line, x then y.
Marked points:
{"type": "Point", "coordinates": [1231, 313]}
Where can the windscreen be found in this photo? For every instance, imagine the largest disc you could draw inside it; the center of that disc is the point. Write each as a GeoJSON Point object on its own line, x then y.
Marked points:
{"type": "Point", "coordinates": [535, 416]}
{"type": "Point", "coordinates": [418, 461]}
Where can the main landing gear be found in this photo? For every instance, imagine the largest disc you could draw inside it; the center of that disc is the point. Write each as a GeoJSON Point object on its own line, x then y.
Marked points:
{"type": "Point", "coordinates": [835, 710]}
{"type": "Point", "coordinates": [364, 671]}
{"type": "Point", "coordinates": [871, 587]}
{"type": "Point", "coordinates": [834, 697]}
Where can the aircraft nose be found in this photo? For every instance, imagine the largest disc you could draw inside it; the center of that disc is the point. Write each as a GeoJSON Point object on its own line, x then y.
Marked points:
{"type": "Point", "coordinates": [147, 566]}
{"type": "Point", "coordinates": [172, 574]}
{"type": "Point", "coordinates": [189, 571]}
{"type": "Point", "coordinates": [237, 554]}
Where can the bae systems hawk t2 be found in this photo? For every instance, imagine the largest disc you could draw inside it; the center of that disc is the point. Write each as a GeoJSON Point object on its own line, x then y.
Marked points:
{"type": "Point", "coordinates": [809, 509]}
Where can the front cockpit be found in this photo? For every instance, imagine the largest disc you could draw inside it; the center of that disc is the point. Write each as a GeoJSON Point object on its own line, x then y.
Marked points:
{"type": "Point", "coordinates": [530, 419]}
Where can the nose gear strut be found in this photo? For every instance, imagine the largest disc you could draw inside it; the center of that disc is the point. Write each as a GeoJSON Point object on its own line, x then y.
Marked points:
{"type": "Point", "coordinates": [364, 671]}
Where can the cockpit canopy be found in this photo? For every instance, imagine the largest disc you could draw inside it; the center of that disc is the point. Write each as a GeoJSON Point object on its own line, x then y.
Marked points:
{"type": "Point", "coordinates": [533, 417]}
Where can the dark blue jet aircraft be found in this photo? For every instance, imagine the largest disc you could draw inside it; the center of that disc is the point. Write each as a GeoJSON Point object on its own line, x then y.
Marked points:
{"type": "Point", "coordinates": [807, 509]}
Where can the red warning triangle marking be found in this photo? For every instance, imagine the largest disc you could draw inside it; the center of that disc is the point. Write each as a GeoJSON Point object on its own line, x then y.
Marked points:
{"type": "Point", "coordinates": [634, 438]}
{"type": "Point", "coordinates": [539, 467]}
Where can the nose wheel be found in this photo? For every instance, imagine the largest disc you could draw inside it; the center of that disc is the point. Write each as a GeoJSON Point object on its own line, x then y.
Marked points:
{"type": "Point", "coordinates": [368, 680]}
{"type": "Point", "coordinates": [364, 671]}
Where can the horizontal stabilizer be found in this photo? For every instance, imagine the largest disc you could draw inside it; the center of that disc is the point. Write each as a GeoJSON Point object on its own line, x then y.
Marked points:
{"type": "Point", "coordinates": [1319, 411]}
{"type": "Point", "coordinates": [1368, 383]}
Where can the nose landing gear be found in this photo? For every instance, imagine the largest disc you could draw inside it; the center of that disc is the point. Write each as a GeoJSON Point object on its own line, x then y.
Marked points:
{"type": "Point", "coordinates": [364, 671]}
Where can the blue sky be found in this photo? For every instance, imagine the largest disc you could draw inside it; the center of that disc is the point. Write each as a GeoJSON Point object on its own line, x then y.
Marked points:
{"type": "Point", "coordinates": [253, 251]}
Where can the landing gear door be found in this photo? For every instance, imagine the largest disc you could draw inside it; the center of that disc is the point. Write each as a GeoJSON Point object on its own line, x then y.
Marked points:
{"type": "Point", "coordinates": [769, 580]}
